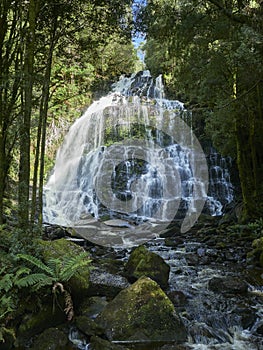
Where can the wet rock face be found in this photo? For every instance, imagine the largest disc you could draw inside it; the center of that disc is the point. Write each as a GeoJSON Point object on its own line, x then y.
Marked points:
{"type": "Point", "coordinates": [143, 307]}
{"type": "Point", "coordinates": [145, 263]}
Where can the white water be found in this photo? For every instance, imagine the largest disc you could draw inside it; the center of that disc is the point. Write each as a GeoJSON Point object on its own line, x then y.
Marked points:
{"type": "Point", "coordinates": [173, 181]}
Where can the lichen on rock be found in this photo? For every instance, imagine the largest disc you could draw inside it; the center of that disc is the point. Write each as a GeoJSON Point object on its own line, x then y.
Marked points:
{"type": "Point", "coordinates": [145, 263]}
{"type": "Point", "coordinates": [143, 306]}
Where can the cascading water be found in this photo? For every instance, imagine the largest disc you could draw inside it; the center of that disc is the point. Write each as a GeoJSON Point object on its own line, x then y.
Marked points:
{"type": "Point", "coordinates": [153, 173]}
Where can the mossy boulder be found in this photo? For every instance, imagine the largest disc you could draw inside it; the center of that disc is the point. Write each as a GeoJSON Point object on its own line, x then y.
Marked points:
{"type": "Point", "coordinates": [102, 344]}
{"type": "Point", "coordinates": [79, 283]}
{"type": "Point", "coordinates": [51, 339]}
{"type": "Point", "coordinates": [145, 263]}
{"type": "Point", "coordinates": [256, 255]}
{"type": "Point", "coordinates": [145, 308]}
{"type": "Point", "coordinates": [35, 323]}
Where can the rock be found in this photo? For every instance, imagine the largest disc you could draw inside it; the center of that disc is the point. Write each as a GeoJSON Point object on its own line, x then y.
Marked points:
{"type": "Point", "coordinates": [117, 223]}
{"type": "Point", "coordinates": [97, 343]}
{"type": "Point", "coordinates": [79, 283]}
{"type": "Point", "coordinates": [35, 323]}
{"type": "Point", "coordinates": [145, 263]}
{"type": "Point", "coordinates": [51, 339]}
{"type": "Point", "coordinates": [103, 283]}
{"type": "Point", "coordinates": [142, 307]}
{"type": "Point", "coordinates": [177, 297]}
{"type": "Point", "coordinates": [91, 307]}
{"type": "Point", "coordinates": [255, 257]}
{"type": "Point", "coordinates": [228, 285]}
{"type": "Point", "coordinates": [88, 326]}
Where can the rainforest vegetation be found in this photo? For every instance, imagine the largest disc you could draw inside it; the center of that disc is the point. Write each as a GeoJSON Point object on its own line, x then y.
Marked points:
{"type": "Point", "coordinates": [58, 56]}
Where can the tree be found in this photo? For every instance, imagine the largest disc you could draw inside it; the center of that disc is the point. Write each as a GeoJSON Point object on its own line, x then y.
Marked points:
{"type": "Point", "coordinates": [211, 56]}
{"type": "Point", "coordinates": [39, 40]}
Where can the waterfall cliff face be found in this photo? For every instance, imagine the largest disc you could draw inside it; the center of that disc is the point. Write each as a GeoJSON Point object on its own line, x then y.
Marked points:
{"type": "Point", "coordinates": [133, 156]}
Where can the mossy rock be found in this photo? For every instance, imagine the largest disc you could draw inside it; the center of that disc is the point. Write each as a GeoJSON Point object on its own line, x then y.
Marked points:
{"type": "Point", "coordinates": [51, 339]}
{"type": "Point", "coordinates": [78, 284]}
{"type": "Point", "coordinates": [145, 263]}
{"type": "Point", "coordinates": [35, 323]}
{"type": "Point", "coordinates": [102, 344]}
{"type": "Point", "coordinates": [88, 326]}
{"type": "Point", "coordinates": [143, 306]}
{"type": "Point", "coordinates": [256, 255]}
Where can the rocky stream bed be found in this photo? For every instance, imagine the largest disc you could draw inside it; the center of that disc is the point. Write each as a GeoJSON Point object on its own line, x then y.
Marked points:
{"type": "Point", "coordinates": [203, 290]}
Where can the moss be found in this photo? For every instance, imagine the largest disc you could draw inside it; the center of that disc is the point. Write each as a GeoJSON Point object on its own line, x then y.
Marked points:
{"type": "Point", "coordinates": [60, 248]}
{"type": "Point", "coordinates": [52, 339]}
{"type": "Point", "coordinates": [256, 255]}
{"type": "Point", "coordinates": [144, 306]}
{"type": "Point", "coordinates": [33, 324]}
{"type": "Point", "coordinates": [145, 263]}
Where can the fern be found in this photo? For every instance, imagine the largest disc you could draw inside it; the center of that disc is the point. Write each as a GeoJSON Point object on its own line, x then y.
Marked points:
{"type": "Point", "coordinates": [36, 262]}
{"type": "Point", "coordinates": [34, 279]}
{"type": "Point", "coordinates": [74, 265]}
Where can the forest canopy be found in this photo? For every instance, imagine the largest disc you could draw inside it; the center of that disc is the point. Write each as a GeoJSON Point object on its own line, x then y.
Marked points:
{"type": "Point", "coordinates": [210, 54]}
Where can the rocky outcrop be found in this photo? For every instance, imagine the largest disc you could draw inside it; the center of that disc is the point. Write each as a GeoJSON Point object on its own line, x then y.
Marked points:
{"type": "Point", "coordinates": [142, 312]}
{"type": "Point", "coordinates": [145, 263]}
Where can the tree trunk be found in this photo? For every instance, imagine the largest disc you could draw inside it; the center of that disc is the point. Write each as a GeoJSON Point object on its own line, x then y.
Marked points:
{"type": "Point", "coordinates": [41, 135]}
{"type": "Point", "coordinates": [249, 131]}
{"type": "Point", "coordinates": [25, 122]}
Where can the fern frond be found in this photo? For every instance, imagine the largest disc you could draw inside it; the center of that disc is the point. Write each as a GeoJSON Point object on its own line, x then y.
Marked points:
{"type": "Point", "coordinates": [23, 271]}
{"type": "Point", "coordinates": [74, 265]}
{"type": "Point", "coordinates": [6, 282]}
{"type": "Point", "coordinates": [36, 262]}
{"type": "Point", "coordinates": [34, 279]}
{"type": "Point", "coordinates": [55, 265]}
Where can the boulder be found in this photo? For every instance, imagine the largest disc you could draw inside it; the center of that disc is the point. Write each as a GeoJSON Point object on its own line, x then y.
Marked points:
{"type": "Point", "coordinates": [79, 283]}
{"type": "Point", "coordinates": [256, 255]}
{"type": "Point", "coordinates": [103, 283]}
{"type": "Point", "coordinates": [91, 307]}
{"type": "Point", "coordinates": [145, 263]}
{"type": "Point", "coordinates": [88, 326]}
{"type": "Point", "coordinates": [35, 323]}
{"type": "Point", "coordinates": [228, 285]}
{"type": "Point", "coordinates": [52, 339]}
{"type": "Point", "coordinates": [142, 312]}
{"type": "Point", "coordinates": [97, 343]}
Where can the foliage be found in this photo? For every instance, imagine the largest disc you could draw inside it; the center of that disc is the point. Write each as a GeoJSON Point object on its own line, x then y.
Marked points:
{"type": "Point", "coordinates": [53, 56]}
{"type": "Point", "coordinates": [55, 273]}
{"type": "Point", "coordinates": [210, 53]}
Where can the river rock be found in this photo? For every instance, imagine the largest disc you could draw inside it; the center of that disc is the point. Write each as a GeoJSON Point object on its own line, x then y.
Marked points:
{"type": "Point", "coordinates": [103, 283]}
{"type": "Point", "coordinates": [255, 257]}
{"type": "Point", "coordinates": [79, 283]}
{"type": "Point", "coordinates": [35, 323]}
{"type": "Point", "coordinates": [91, 307]}
{"type": "Point", "coordinates": [97, 343]}
{"type": "Point", "coordinates": [88, 326]}
{"type": "Point", "coordinates": [145, 263]}
{"type": "Point", "coordinates": [51, 339]}
{"type": "Point", "coordinates": [228, 285]}
{"type": "Point", "coordinates": [145, 308]}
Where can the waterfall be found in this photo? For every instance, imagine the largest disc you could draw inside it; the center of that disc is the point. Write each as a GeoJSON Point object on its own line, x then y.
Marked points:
{"type": "Point", "coordinates": [131, 156]}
